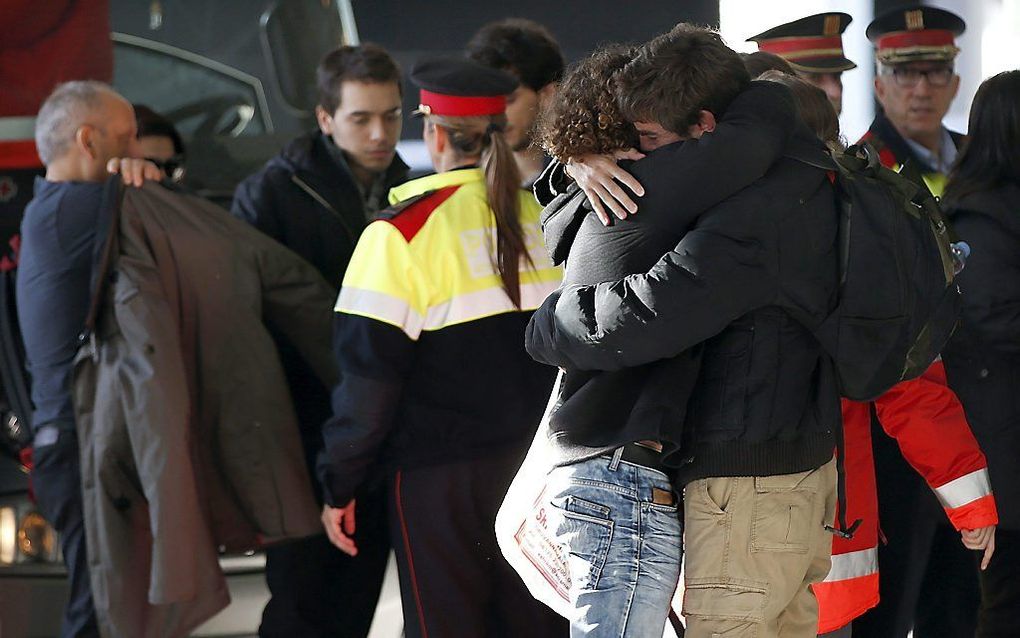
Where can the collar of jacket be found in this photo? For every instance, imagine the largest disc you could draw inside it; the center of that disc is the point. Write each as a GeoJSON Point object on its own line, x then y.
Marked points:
{"type": "Point", "coordinates": [309, 157]}
{"type": "Point", "coordinates": [883, 128]}
{"type": "Point", "coordinates": [428, 183]}
{"type": "Point", "coordinates": [395, 173]}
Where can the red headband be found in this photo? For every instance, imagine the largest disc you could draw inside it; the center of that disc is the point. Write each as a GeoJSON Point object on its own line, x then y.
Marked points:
{"type": "Point", "coordinates": [904, 39]}
{"type": "Point", "coordinates": [462, 106]}
{"type": "Point", "coordinates": [812, 45]}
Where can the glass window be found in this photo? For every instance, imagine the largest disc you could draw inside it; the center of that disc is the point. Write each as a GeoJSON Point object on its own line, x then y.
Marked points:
{"type": "Point", "coordinates": [202, 97]}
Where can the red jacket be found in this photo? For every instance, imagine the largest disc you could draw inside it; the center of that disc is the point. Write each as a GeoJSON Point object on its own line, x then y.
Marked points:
{"type": "Point", "coordinates": [927, 421]}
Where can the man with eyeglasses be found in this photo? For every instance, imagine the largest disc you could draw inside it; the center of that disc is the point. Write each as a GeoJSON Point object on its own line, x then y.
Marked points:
{"type": "Point", "coordinates": [915, 83]}
{"type": "Point", "coordinates": [927, 579]}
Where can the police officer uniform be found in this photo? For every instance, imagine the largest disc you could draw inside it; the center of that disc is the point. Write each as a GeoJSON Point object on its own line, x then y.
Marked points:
{"type": "Point", "coordinates": [913, 34]}
{"type": "Point", "coordinates": [928, 580]}
{"type": "Point", "coordinates": [810, 45]}
{"type": "Point", "coordinates": [437, 392]}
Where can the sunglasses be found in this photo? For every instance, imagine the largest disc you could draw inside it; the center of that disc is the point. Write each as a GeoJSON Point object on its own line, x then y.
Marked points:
{"type": "Point", "coordinates": [172, 167]}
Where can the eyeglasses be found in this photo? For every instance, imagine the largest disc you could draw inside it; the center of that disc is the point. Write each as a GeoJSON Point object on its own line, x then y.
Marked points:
{"type": "Point", "coordinates": [172, 167]}
{"type": "Point", "coordinates": [908, 77]}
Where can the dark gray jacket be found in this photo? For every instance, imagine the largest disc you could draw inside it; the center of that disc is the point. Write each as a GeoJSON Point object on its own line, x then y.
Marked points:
{"type": "Point", "coordinates": [189, 442]}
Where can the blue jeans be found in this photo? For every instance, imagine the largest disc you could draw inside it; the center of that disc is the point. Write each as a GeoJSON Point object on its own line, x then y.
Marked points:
{"type": "Point", "coordinates": [620, 526]}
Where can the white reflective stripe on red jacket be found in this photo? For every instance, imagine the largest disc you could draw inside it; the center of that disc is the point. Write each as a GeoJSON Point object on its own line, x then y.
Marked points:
{"type": "Point", "coordinates": [853, 565]}
{"type": "Point", "coordinates": [966, 489]}
{"type": "Point", "coordinates": [928, 423]}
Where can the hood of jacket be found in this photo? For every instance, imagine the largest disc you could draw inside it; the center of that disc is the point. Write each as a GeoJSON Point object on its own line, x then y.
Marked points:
{"type": "Point", "coordinates": [560, 220]}
{"type": "Point", "coordinates": [562, 217]}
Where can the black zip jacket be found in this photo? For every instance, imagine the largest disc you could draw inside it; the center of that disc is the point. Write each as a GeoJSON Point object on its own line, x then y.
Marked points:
{"type": "Point", "coordinates": [598, 411]}
{"type": "Point", "coordinates": [748, 283]}
{"type": "Point", "coordinates": [306, 200]}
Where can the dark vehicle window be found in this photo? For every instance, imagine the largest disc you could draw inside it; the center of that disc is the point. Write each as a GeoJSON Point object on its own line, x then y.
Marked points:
{"type": "Point", "coordinates": [201, 96]}
{"type": "Point", "coordinates": [292, 60]}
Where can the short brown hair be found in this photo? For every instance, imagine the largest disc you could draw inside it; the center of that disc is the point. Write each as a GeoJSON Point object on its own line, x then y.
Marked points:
{"type": "Point", "coordinates": [584, 118]}
{"type": "Point", "coordinates": [678, 74]}
{"type": "Point", "coordinates": [364, 63]}
{"type": "Point", "coordinates": [523, 47]}
{"type": "Point", "coordinates": [814, 107]}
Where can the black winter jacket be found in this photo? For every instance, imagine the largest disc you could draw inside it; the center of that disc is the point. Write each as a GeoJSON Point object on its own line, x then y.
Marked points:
{"type": "Point", "coordinates": [748, 282]}
{"type": "Point", "coordinates": [306, 200]}
{"type": "Point", "coordinates": [597, 411]}
{"type": "Point", "coordinates": [983, 357]}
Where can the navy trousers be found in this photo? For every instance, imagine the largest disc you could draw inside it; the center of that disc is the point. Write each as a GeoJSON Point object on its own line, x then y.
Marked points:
{"type": "Point", "coordinates": [56, 480]}
{"type": "Point", "coordinates": [454, 582]}
{"type": "Point", "coordinates": [320, 592]}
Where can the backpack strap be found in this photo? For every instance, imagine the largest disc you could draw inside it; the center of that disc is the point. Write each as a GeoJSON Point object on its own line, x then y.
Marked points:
{"type": "Point", "coordinates": [841, 529]}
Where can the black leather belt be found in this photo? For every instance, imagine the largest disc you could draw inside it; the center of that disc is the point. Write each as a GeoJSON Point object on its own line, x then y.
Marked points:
{"type": "Point", "coordinates": [643, 456]}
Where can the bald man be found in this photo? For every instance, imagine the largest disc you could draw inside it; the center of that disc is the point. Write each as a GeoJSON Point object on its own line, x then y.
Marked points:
{"type": "Point", "coordinates": [82, 131]}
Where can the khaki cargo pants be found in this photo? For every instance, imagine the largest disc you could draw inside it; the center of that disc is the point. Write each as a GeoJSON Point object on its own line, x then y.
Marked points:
{"type": "Point", "coordinates": [754, 545]}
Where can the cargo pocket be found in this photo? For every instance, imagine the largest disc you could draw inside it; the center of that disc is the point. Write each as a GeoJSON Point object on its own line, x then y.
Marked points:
{"type": "Point", "coordinates": [784, 512]}
{"type": "Point", "coordinates": [585, 530]}
{"type": "Point", "coordinates": [741, 601]}
{"type": "Point", "coordinates": [707, 526]}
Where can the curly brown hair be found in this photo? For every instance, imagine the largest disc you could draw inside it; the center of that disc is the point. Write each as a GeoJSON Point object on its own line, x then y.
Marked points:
{"type": "Point", "coordinates": [584, 118]}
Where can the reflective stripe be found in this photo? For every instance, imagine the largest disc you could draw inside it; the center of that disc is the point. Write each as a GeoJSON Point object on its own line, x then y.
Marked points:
{"type": "Point", "coordinates": [486, 303]}
{"type": "Point", "coordinates": [382, 307]}
{"type": "Point", "coordinates": [460, 309]}
{"type": "Point", "coordinates": [17, 128]}
{"type": "Point", "coordinates": [853, 565]}
{"type": "Point", "coordinates": [966, 489]}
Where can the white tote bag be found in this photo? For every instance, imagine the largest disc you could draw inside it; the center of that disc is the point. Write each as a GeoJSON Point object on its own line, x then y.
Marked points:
{"type": "Point", "coordinates": [524, 534]}
{"type": "Point", "coordinates": [522, 531]}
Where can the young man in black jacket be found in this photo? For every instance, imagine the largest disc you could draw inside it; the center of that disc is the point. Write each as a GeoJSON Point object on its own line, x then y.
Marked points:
{"type": "Point", "coordinates": [746, 284]}
{"type": "Point", "coordinates": [316, 197]}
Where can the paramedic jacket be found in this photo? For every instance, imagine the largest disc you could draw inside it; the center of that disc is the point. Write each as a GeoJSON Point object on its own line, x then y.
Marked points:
{"type": "Point", "coordinates": [431, 349]}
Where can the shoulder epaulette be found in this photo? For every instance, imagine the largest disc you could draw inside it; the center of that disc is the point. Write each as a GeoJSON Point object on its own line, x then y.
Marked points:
{"type": "Point", "coordinates": [411, 214]}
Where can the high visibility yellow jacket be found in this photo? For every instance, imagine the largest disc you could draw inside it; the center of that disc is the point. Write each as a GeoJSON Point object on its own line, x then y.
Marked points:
{"type": "Point", "coordinates": [429, 344]}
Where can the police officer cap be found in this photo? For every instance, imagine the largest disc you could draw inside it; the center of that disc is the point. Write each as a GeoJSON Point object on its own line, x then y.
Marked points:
{"type": "Point", "coordinates": [915, 32]}
{"type": "Point", "coordinates": [461, 87]}
{"type": "Point", "coordinates": [811, 45]}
